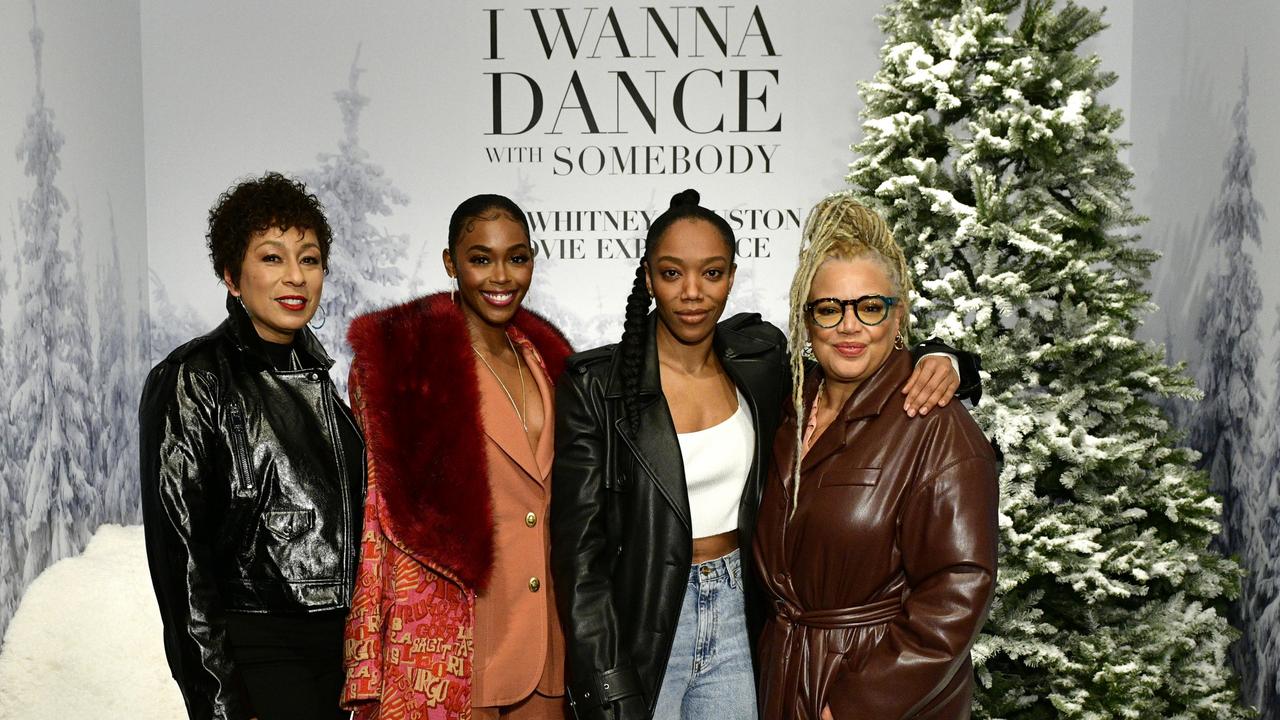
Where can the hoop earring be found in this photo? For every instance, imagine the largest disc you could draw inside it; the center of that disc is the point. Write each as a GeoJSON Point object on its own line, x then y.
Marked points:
{"type": "Point", "coordinates": [320, 311]}
{"type": "Point", "coordinates": [899, 343]}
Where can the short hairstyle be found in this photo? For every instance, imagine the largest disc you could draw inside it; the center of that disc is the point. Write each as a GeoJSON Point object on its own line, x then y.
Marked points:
{"type": "Point", "coordinates": [253, 206]}
{"type": "Point", "coordinates": [486, 206]}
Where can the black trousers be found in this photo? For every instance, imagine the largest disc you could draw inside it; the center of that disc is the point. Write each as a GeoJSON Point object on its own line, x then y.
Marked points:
{"type": "Point", "coordinates": [291, 665]}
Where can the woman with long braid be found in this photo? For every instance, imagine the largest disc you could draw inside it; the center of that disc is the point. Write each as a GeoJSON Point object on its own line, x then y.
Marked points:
{"type": "Point", "coordinates": [662, 444]}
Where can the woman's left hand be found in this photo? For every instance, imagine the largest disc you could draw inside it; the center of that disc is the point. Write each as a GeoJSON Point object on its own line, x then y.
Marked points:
{"type": "Point", "coordinates": [826, 713]}
{"type": "Point", "coordinates": [933, 383]}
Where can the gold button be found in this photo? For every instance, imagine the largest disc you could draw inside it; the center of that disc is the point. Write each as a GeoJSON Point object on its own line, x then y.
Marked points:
{"type": "Point", "coordinates": [534, 584]}
{"type": "Point", "coordinates": [530, 519]}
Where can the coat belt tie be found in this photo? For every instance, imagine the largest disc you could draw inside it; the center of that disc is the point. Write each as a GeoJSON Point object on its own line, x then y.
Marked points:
{"type": "Point", "coordinates": [874, 613]}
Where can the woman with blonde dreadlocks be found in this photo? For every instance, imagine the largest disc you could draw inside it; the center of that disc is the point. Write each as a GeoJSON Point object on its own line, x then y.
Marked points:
{"type": "Point", "coordinates": [876, 540]}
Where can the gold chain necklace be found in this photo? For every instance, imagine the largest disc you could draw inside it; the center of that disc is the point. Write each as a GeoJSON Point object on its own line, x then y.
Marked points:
{"type": "Point", "coordinates": [519, 414]}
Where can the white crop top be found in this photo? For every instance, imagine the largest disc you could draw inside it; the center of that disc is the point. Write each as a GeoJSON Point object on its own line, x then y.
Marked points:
{"type": "Point", "coordinates": [716, 463]}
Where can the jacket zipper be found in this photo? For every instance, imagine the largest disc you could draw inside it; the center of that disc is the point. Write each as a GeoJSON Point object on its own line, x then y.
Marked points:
{"type": "Point", "coordinates": [326, 402]}
{"type": "Point", "coordinates": [243, 487]}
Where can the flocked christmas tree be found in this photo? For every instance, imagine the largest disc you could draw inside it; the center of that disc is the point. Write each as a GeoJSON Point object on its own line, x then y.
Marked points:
{"type": "Point", "coordinates": [987, 149]}
{"type": "Point", "coordinates": [365, 259]}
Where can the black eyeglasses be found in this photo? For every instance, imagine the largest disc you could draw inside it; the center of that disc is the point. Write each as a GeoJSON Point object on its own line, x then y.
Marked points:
{"type": "Point", "coordinates": [870, 310]}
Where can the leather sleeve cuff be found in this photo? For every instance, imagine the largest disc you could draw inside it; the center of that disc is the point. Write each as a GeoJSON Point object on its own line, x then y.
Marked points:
{"type": "Point", "coordinates": [604, 688]}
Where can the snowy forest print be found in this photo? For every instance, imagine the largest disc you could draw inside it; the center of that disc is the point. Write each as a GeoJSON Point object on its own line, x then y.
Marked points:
{"type": "Point", "coordinates": [365, 261]}
{"type": "Point", "coordinates": [71, 362]}
{"type": "Point", "coordinates": [1234, 426]}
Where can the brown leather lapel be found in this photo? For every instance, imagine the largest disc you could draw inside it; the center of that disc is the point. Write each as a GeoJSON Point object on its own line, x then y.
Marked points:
{"type": "Point", "coordinates": [868, 400]}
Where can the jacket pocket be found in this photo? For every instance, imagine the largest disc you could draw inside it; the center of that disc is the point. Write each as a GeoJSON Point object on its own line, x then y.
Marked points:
{"type": "Point", "coordinates": [289, 524]}
{"type": "Point", "coordinates": [849, 476]}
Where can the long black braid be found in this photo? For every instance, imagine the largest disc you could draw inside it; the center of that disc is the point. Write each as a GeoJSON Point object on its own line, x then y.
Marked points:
{"type": "Point", "coordinates": [635, 327]}
{"type": "Point", "coordinates": [634, 331]}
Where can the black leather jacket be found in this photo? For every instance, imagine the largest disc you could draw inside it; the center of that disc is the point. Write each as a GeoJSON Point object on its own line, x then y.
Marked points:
{"type": "Point", "coordinates": [621, 536]}
{"type": "Point", "coordinates": [247, 501]}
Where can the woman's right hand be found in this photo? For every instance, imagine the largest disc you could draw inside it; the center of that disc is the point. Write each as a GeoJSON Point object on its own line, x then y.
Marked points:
{"type": "Point", "coordinates": [826, 713]}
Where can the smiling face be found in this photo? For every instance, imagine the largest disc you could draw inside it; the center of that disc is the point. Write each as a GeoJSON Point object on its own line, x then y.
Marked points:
{"type": "Point", "coordinates": [852, 351]}
{"type": "Point", "coordinates": [690, 275]}
{"type": "Point", "coordinates": [281, 277]}
{"type": "Point", "coordinates": [493, 264]}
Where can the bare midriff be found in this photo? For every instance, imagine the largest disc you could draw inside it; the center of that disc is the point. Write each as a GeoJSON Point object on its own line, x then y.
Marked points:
{"type": "Point", "coordinates": [714, 546]}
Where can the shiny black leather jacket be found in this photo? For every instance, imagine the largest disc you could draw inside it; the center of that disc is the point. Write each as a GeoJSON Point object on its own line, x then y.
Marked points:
{"type": "Point", "coordinates": [246, 499]}
{"type": "Point", "coordinates": [621, 535]}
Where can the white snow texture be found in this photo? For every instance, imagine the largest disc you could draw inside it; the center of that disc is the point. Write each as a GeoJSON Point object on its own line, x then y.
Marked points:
{"type": "Point", "coordinates": [86, 641]}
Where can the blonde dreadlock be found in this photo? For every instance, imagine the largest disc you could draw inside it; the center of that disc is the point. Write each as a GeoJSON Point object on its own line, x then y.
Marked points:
{"type": "Point", "coordinates": [838, 227]}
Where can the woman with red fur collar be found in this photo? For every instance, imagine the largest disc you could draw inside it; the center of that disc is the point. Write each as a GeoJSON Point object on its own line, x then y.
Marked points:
{"type": "Point", "coordinates": [453, 615]}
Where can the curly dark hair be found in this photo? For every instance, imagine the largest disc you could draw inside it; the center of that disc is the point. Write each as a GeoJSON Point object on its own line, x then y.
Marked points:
{"type": "Point", "coordinates": [253, 206]}
{"type": "Point", "coordinates": [483, 207]}
{"type": "Point", "coordinates": [635, 326]}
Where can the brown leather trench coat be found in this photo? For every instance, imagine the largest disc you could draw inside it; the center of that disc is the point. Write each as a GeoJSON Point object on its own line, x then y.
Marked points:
{"type": "Point", "coordinates": [882, 578]}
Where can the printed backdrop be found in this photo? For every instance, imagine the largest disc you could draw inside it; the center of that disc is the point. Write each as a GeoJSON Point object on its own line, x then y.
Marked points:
{"type": "Point", "coordinates": [138, 114]}
{"type": "Point", "coordinates": [590, 116]}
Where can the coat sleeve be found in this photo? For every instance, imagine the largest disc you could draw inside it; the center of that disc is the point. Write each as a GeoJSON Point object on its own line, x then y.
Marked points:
{"type": "Point", "coordinates": [362, 646]}
{"type": "Point", "coordinates": [948, 540]}
{"type": "Point", "coordinates": [177, 432]}
{"type": "Point", "coordinates": [970, 367]}
{"type": "Point", "coordinates": [603, 682]}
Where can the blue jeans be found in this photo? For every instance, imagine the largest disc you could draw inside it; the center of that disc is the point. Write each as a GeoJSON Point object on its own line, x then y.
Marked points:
{"type": "Point", "coordinates": [709, 675]}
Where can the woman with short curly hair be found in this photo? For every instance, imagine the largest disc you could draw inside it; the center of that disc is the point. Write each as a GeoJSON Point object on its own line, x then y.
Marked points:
{"type": "Point", "coordinates": [253, 475]}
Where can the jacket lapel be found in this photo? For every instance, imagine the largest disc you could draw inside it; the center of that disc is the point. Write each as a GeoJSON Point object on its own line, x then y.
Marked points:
{"type": "Point", "coordinates": [657, 451]}
{"type": "Point", "coordinates": [655, 445]}
{"type": "Point", "coordinates": [501, 424]}
{"type": "Point", "coordinates": [868, 400]}
{"type": "Point", "coordinates": [746, 361]}
{"type": "Point", "coordinates": [784, 447]}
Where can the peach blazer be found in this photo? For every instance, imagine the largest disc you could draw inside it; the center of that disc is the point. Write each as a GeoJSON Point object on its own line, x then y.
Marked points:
{"type": "Point", "coordinates": [519, 646]}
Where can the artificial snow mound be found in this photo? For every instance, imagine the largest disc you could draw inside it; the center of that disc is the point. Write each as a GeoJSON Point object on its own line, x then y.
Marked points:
{"type": "Point", "coordinates": [86, 641]}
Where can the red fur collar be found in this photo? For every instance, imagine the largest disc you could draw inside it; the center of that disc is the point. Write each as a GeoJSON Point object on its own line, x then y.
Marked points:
{"type": "Point", "coordinates": [421, 409]}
